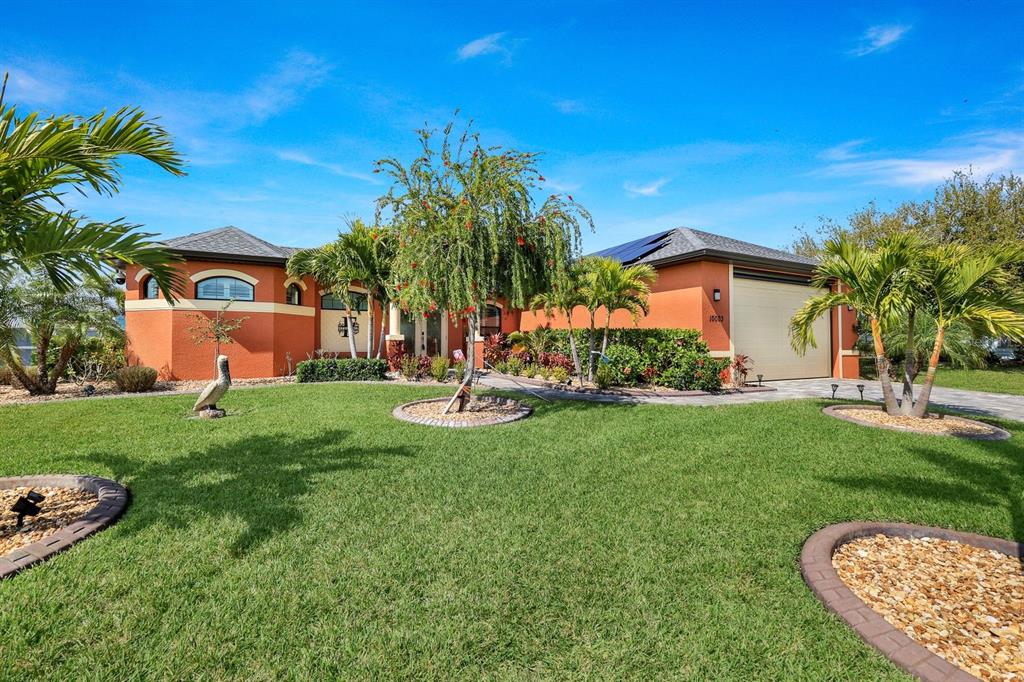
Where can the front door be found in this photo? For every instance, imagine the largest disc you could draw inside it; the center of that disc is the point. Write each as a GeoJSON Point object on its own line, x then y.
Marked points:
{"type": "Point", "coordinates": [424, 335]}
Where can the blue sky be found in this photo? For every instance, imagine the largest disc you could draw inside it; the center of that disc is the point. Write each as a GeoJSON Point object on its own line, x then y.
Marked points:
{"type": "Point", "coordinates": [744, 120]}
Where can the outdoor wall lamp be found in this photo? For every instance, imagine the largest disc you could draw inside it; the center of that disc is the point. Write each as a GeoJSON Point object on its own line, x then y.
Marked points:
{"type": "Point", "coordinates": [835, 387]}
{"type": "Point", "coordinates": [860, 387]}
{"type": "Point", "coordinates": [717, 294]}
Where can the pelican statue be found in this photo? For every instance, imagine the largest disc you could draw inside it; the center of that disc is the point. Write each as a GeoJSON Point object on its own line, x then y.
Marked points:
{"type": "Point", "coordinates": [216, 389]}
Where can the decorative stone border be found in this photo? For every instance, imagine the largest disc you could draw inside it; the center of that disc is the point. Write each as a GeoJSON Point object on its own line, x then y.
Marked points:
{"type": "Point", "coordinates": [522, 412]}
{"type": "Point", "coordinates": [111, 503]}
{"type": "Point", "coordinates": [821, 577]}
{"type": "Point", "coordinates": [837, 412]}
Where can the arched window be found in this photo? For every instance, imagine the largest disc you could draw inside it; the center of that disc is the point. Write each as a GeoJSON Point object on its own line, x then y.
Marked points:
{"type": "Point", "coordinates": [490, 321]}
{"type": "Point", "coordinates": [224, 289]}
{"type": "Point", "coordinates": [150, 289]}
{"type": "Point", "coordinates": [357, 301]}
{"type": "Point", "coordinates": [293, 295]}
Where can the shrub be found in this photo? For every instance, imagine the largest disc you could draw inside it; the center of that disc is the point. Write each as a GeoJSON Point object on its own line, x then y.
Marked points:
{"type": "Point", "coordinates": [341, 369]}
{"type": "Point", "coordinates": [626, 363]}
{"type": "Point", "coordinates": [5, 375]}
{"type": "Point", "coordinates": [694, 372]}
{"type": "Point", "coordinates": [460, 370]}
{"type": "Point", "coordinates": [135, 379]}
{"type": "Point", "coordinates": [514, 366]}
{"type": "Point", "coordinates": [604, 377]}
{"type": "Point", "coordinates": [559, 375]}
{"type": "Point", "coordinates": [410, 366]}
{"type": "Point", "coordinates": [439, 368]}
{"type": "Point", "coordinates": [495, 349]}
{"type": "Point", "coordinates": [534, 370]}
{"type": "Point", "coordinates": [552, 360]}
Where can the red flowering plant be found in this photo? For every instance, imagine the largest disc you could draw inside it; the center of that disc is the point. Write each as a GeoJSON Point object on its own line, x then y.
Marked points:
{"type": "Point", "coordinates": [470, 231]}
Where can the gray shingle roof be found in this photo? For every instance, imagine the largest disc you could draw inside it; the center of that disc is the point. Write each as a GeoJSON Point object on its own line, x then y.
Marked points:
{"type": "Point", "coordinates": [684, 242]}
{"type": "Point", "coordinates": [229, 241]}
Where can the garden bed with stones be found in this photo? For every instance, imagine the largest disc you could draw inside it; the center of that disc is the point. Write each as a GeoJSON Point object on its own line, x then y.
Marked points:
{"type": "Point", "coordinates": [74, 508]}
{"type": "Point", "coordinates": [933, 424]}
{"type": "Point", "coordinates": [10, 395]}
{"type": "Point", "coordinates": [481, 411]}
{"type": "Point", "coordinates": [941, 604]}
{"type": "Point", "coordinates": [647, 391]}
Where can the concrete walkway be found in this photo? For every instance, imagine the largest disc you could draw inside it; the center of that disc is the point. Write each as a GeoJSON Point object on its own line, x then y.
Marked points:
{"type": "Point", "coordinates": [973, 402]}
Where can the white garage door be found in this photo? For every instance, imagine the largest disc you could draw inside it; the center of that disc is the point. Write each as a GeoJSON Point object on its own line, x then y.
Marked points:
{"type": "Point", "coordinates": [760, 328]}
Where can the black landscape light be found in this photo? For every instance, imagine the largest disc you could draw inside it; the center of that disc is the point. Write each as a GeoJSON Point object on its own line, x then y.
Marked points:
{"type": "Point", "coordinates": [759, 377]}
{"type": "Point", "coordinates": [835, 387]}
{"type": "Point", "coordinates": [860, 387]}
{"type": "Point", "coordinates": [27, 506]}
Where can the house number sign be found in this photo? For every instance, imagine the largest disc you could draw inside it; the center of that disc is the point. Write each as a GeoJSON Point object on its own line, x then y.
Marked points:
{"type": "Point", "coordinates": [716, 318]}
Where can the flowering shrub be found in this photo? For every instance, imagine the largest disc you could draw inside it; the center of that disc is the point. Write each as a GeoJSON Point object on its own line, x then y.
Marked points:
{"type": "Point", "coordinates": [495, 349]}
{"type": "Point", "coordinates": [626, 365]}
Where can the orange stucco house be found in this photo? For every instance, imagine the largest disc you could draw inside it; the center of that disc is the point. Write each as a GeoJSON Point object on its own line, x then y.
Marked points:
{"type": "Point", "coordinates": [738, 294]}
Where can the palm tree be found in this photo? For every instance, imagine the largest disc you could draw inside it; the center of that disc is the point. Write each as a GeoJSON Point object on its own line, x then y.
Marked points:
{"type": "Point", "coordinates": [619, 287]}
{"type": "Point", "coordinates": [876, 282]}
{"type": "Point", "coordinates": [975, 289]}
{"type": "Point", "coordinates": [56, 320]}
{"type": "Point", "coordinates": [41, 159]}
{"type": "Point", "coordinates": [363, 254]}
{"type": "Point", "coordinates": [565, 298]}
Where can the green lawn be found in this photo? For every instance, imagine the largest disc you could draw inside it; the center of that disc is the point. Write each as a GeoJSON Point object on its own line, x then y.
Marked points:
{"type": "Point", "coordinates": [994, 380]}
{"type": "Point", "coordinates": [309, 535]}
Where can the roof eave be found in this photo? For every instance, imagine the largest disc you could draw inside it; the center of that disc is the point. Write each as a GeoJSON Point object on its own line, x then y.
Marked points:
{"type": "Point", "coordinates": [190, 254]}
{"type": "Point", "coordinates": [735, 259]}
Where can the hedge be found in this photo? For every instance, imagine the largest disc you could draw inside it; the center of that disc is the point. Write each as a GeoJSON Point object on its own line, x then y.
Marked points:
{"type": "Point", "coordinates": [341, 369]}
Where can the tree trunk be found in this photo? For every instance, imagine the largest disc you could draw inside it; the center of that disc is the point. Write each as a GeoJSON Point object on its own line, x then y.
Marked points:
{"type": "Point", "coordinates": [909, 360]}
{"type": "Point", "coordinates": [882, 367]}
{"type": "Point", "coordinates": [465, 390]}
{"type": "Point", "coordinates": [66, 351]}
{"type": "Point", "coordinates": [19, 371]}
{"type": "Point", "coordinates": [921, 408]}
{"type": "Point", "coordinates": [42, 361]}
{"type": "Point", "coordinates": [383, 328]}
{"type": "Point", "coordinates": [369, 328]}
{"type": "Point", "coordinates": [351, 334]}
{"type": "Point", "coordinates": [574, 351]}
{"type": "Point", "coordinates": [590, 346]}
{"type": "Point", "coordinates": [607, 325]}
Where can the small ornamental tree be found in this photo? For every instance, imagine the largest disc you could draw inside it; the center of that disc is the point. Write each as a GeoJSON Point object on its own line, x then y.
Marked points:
{"type": "Point", "coordinates": [216, 329]}
{"type": "Point", "coordinates": [470, 232]}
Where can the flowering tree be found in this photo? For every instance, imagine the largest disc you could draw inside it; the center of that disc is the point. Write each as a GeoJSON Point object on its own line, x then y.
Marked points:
{"type": "Point", "coordinates": [470, 231]}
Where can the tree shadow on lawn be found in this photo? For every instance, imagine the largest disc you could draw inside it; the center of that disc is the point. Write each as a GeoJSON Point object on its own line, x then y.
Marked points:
{"type": "Point", "coordinates": [996, 482]}
{"type": "Point", "coordinates": [256, 479]}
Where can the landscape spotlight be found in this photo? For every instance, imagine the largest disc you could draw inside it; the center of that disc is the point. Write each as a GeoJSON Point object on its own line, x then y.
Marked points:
{"type": "Point", "coordinates": [27, 506]}
{"type": "Point", "coordinates": [759, 376]}
{"type": "Point", "coordinates": [860, 387]}
{"type": "Point", "coordinates": [835, 387]}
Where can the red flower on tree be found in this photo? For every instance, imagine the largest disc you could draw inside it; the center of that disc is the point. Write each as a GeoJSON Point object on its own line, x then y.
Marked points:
{"type": "Point", "coordinates": [520, 241]}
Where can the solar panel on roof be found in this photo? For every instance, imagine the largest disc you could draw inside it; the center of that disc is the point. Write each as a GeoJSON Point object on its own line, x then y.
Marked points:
{"type": "Point", "coordinates": [638, 248]}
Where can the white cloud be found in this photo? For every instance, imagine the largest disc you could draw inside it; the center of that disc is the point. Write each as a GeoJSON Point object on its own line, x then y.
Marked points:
{"type": "Point", "coordinates": [36, 83]}
{"type": "Point", "coordinates": [562, 185]}
{"type": "Point", "coordinates": [985, 153]}
{"type": "Point", "coordinates": [305, 159]}
{"type": "Point", "coordinates": [570, 106]}
{"type": "Point", "coordinates": [290, 80]}
{"type": "Point", "coordinates": [878, 38]}
{"type": "Point", "coordinates": [841, 152]}
{"type": "Point", "coordinates": [651, 189]}
{"type": "Point", "coordinates": [489, 44]}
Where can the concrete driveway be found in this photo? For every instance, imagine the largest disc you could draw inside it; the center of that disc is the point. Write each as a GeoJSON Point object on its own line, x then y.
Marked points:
{"type": "Point", "coordinates": [973, 402]}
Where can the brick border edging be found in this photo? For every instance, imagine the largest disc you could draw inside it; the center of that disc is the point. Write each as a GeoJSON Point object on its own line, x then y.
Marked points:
{"type": "Point", "coordinates": [111, 503]}
{"type": "Point", "coordinates": [819, 574]}
{"type": "Point", "coordinates": [836, 411]}
{"type": "Point", "coordinates": [522, 412]}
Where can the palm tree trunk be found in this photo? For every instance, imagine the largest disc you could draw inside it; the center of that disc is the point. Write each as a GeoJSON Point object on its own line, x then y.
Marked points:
{"type": "Point", "coordinates": [907, 402]}
{"type": "Point", "coordinates": [66, 351]}
{"type": "Point", "coordinates": [590, 346]}
{"type": "Point", "coordinates": [574, 351]}
{"type": "Point", "coordinates": [383, 328]}
{"type": "Point", "coordinates": [882, 367]}
{"type": "Point", "coordinates": [921, 408]}
{"type": "Point", "coordinates": [351, 332]}
{"type": "Point", "coordinates": [369, 327]}
{"type": "Point", "coordinates": [607, 324]}
{"type": "Point", "coordinates": [14, 363]}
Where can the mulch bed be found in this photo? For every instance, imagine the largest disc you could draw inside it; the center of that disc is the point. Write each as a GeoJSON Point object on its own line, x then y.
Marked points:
{"type": "Point", "coordinates": [61, 507]}
{"type": "Point", "coordinates": [963, 603]}
{"type": "Point", "coordinates": [481, 411]}
{"type": "Point", "coordinates": [937, 425]}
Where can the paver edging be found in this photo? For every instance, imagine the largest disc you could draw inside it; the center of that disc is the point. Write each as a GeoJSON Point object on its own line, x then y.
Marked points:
{"type": "Point", "coordinates": [112, 499]}
{"type": "Point", "coordinates": [836, 411]}
{"type": "Point", "coordinates": [523, 410]}
{"type": "Point", "coordinates": [821, 576]}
